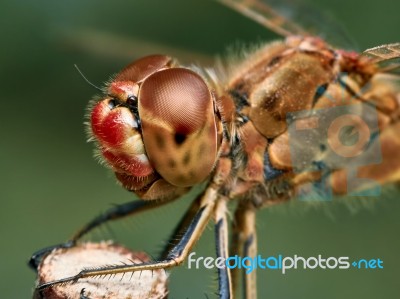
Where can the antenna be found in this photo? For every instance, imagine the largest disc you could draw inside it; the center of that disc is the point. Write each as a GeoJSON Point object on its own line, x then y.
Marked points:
{"type": "Point", "coordinates": [86, 79]}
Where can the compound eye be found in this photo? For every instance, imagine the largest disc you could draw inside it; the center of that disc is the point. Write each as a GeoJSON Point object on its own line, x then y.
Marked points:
{"type": "Point", "coordinates": [138, 70]}
{"type": "Point", "coordinates": [178, 125]}
{"type": "Point", "coordinates": [125, 86]}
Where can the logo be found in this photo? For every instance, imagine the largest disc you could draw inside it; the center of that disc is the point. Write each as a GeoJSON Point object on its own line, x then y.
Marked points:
{"type": "Point", "coordinates": [282, 263]}
{"type": "Point", "coordinates": [342, 137]}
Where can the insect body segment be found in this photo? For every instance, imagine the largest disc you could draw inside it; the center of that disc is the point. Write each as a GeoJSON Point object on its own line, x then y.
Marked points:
{"type": "Point", "coordinates": [285, 80]}
{"type": "Point", "coordinates": [155, 125]}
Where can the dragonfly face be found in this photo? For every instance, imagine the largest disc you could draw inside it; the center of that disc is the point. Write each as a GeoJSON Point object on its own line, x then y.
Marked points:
{"type": "Point", "coordinates": [155, 125]}
{"type": "Point", "coordinates": [164, 127]}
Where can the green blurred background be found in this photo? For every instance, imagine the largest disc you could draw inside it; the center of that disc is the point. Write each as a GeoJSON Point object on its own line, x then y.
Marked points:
{"type": "Point", "coordinates": [50, 184]}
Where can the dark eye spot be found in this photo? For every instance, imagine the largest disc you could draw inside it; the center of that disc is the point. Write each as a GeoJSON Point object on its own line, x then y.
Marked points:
{"type": "Point", "coordinates": [132, 104]}
{"type": "Point", "coordinates": [201, 150]}
{"type": "Point", "coordinates": [160, 141]}
{"type": "Point", "coordinates": [171, 163]}
{"type": "Point", "coordinates": [181, 178]}
{"type": "Point", "coordinates": [131, 101]}
{"type": "Point", "coordinates": [186, 158]}
{"type": "Point", "coordinates": [179, 138]}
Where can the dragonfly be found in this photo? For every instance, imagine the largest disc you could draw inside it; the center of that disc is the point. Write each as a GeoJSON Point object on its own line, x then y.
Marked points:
{"type": "Point", "coordinates": [295, 118]}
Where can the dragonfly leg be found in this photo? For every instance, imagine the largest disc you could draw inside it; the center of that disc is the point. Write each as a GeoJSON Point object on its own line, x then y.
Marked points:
{"type": "Point", "coordinates": [244, 244]}
{"type": "Point", "coordinates": [114, 213]}
{"type": "Point", "coordinates": [175, 257]}
{"type": "Point", "coordinates": [221, 241]}
{"type": "Point", "coordinates": [181, 227]}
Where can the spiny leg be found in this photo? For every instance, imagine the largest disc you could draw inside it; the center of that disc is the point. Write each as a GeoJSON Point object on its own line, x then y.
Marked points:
{"type": "Point", "coordinates": [175, 257]}
{"type": "Point", "coordinates": [221, 235]}
{"type": "Point", "coordinates": [117, 212]}
{"type": "Point", "coordinates": [221, 241]}
{"type": "Point", "coordinates": [237, 244]}
{"type": "Point", "coordinates": [250, 250]}
{"type": "Point", "coordinates": [114, 213]}
{"type": "Point", "coordinates": [244, 244]}
{"type": "Point", "coordinates": [181, 227]}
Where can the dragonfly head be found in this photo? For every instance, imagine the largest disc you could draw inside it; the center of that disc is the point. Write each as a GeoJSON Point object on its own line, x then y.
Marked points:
{"type": "Point", "coordinates": [157, 122]}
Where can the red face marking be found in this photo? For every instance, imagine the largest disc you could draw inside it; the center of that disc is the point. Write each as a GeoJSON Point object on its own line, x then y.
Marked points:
{"type": "Point", "coordinates": [116, 130]}
{"type": "Point", "coordinates": [137, 166]}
